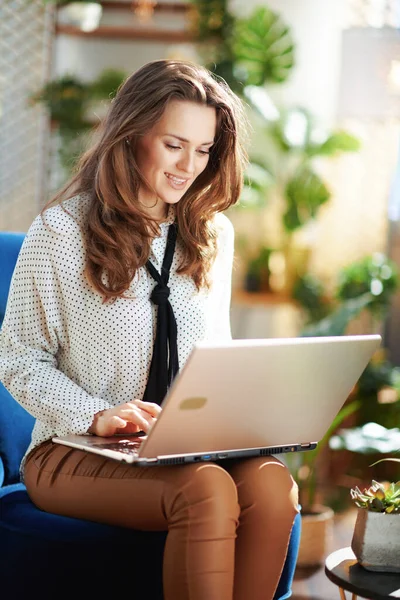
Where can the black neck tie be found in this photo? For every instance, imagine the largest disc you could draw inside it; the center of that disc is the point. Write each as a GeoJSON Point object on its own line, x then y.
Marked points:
{"type": "Point", "coordinates": [164, 363]}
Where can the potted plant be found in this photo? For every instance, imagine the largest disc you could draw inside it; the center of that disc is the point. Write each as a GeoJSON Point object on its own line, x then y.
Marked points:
{"type": "Point", "coordinates": [317, 517]}
{"type": "Point", "coordinates": [257, 276]}
{"type": "Point", "coordinates": [376, 536]}
{"type": "Point", "coordinates": [73, 108]}
{"type": "Point", "coordinates": [327, 315]}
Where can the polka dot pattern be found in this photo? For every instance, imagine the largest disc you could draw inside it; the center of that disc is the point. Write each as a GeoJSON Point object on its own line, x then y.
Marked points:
{"type": "Point", "coordinates": [64, 355]}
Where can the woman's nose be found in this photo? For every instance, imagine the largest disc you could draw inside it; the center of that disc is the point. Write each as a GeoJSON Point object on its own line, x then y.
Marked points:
{"type": "Point", "coordinates": [187, 163]}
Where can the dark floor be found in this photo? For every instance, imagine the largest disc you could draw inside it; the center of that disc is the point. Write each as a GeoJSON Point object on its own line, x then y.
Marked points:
{"type": "Point", "coordinates": [313, 584]}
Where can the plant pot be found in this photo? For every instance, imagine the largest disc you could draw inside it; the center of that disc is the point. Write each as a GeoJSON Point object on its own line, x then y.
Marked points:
{"type": "Point", "coordinates": [376, 541]}
{"type": "Point", "coordinates": [316, 535]}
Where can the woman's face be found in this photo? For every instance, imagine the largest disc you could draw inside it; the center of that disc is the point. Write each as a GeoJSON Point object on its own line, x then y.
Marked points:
{"type": "Point", "coordinates": [173, 153]}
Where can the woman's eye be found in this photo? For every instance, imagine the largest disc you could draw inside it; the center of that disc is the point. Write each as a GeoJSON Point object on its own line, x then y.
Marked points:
{"type": "Point", "coordinates": [173, 147]}
{"type": "Point", "coordinates": [203, 152]}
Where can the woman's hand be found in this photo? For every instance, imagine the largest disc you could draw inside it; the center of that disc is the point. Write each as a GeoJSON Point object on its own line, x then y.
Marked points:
{"type": "Point", "coordinates": [130, 417]}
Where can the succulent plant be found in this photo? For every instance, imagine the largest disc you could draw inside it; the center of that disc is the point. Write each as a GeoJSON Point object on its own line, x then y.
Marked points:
{"type": "Point", "coordinates": [379, 497]}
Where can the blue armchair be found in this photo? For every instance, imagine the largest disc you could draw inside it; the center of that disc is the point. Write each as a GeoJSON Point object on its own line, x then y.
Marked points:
{"type": "Point", "coordinates": [43, 554]}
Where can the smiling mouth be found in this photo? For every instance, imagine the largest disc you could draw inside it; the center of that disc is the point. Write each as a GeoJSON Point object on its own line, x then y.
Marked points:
{"type": "Point", "coordinates": [176, 180]}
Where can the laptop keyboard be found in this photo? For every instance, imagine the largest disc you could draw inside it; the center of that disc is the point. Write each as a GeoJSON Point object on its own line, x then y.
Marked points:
{"type": "Point", "coordinates": [124, 447]}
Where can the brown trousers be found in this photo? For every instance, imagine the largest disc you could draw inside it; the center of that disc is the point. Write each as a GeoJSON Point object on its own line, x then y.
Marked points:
{"type": "Point", "coordinates": [228, 526]}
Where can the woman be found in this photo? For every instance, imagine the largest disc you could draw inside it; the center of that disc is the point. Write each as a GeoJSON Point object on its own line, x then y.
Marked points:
{"type": "Point", "coordinates": [94, 335]}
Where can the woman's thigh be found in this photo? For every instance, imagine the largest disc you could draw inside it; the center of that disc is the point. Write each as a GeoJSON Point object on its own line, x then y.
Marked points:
{"type": "Point", "coordinates": [84, 485]}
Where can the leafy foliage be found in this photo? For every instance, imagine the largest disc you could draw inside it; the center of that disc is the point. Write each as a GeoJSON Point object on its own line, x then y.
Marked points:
{"type": "Point", "coordinates": [263, 48]}
{"type": "Point", "coordinates": [379, 373]}
{"type": "Point", "coordinates": [368, 283]}
{"type": "Point", "coordinates": [304, 465]}
{"type": "Point", "coordinates": [379, 497]}
{"type": "Point", "coordinates": [305, 192]}
{"type": "Point", "coordinates": [107, 84]}
{"type": "Point", "coordinates": [375, 274]}
{"type": "Point", "coordinates": [337, 321]}
{"type": "Point", "coordinates": [255, 50]}
{"type": "Point", "coordinates": [214, 33]}
{"type": "Point", "coordinates": [309, 292]}
{"type": "Point", "coordinates": [65, 99]}
{"type": "Point", "coordinates": [298, 141]}
{"type": "Point", "coordinates": [69, 101]}
{"type": "Point", "coordinates": [337, 142]}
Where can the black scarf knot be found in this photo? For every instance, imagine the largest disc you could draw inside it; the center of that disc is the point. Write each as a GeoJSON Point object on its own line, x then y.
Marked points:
{"type": "Point", "coordinates": [164, 363]}
{"type": "Point", "coordinates": [160, 294]}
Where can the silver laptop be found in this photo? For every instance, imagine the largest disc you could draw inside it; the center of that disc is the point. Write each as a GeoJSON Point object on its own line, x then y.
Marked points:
{"type": "Point", "coordinates": [245, 398]}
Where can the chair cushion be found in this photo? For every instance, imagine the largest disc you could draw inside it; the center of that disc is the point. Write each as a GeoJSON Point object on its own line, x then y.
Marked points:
{"type": "Point", "coordinates": [1, 472]}
{"type": "Point", "coordinates": [42, 552]}
{"type": "Point", "coordinates": [15, 423]}
{"type": "Point", "coordinates": [10, 245]}
{"type": "Point", "coordinates": [15, 434]}
{"type": "Point", "coordinates": [19, 514]}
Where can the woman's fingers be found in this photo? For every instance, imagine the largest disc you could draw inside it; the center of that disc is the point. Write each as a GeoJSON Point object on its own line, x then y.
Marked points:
{"type": "Point", "coordinates": [139, 418]}
{"type": "Point", "coordinates": [108, 424]}
{"type": "Point", "coordinates": [117, 418]}
{"type": "Point", "coordinates": [150, 407]}
{"type": "Point", "coordinates": [116, 421]}
{"type": "Point", "coordinates": [130, 417]}
{"type": "Point", "coordinates": [136, 415]}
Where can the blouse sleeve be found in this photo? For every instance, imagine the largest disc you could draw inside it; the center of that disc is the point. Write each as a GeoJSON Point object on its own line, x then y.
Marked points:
{"type": "Point", "coordinates": [30, 342]}
{"type": "Point", "coordinates": [219, 299]}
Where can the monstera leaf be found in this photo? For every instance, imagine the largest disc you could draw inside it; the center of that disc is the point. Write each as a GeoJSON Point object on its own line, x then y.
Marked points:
{"type": "Point", "coordinates": [263, 48]}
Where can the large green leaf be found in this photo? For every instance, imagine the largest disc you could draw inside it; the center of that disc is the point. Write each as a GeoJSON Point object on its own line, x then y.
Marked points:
{"type": "Point", "coordinates": [305, 193]}
{"type": "Point", "coordinates": [336, 323]}
{"type": "Point", "coordinates": [336, 143]}
{"type": "Point", "coordinates": [263, 47]}
{"type": "Point", "coordinates": [257, 181]}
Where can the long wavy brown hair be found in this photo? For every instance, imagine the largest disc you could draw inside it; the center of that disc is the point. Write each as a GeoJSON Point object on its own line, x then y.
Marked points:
{"type": "Point", "coordinates": [118, 232]}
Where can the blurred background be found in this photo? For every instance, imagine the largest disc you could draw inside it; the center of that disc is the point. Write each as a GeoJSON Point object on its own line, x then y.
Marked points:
{"type": "Point", "coordinates": [318, 223]}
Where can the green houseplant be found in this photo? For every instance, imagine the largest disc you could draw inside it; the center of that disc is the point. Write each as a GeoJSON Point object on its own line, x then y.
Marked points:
{"type": "Point", "coordinates": [379, 497]}
{"type": "Point", "coordinates": [250, 54]}
{"type": "Point", "coordinates": [296, 146]}
{"type": "Point", "coordinates": [317, 517]}
{"type": "Point", "coordinates": [255, 50]}
{"type": "Point", "coordinates": [376, 536]}
{"type": "Point", "coordinates": [331, 315]}
{"type": "Point", "coordinates": [73, 107]}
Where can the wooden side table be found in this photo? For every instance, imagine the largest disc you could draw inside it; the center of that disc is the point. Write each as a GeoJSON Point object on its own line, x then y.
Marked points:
{"type": "Point", "coordinates": [342, 568]}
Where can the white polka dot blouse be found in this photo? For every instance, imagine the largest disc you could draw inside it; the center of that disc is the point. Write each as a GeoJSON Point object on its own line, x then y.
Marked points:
{"type": "Point", "coordinates": [64, 354]}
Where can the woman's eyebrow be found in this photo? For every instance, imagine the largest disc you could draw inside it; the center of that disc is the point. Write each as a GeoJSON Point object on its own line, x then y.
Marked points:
{"type": "Point", "coordinates": [178, 137]}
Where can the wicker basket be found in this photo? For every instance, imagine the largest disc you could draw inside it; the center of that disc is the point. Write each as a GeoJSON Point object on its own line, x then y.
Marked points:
{"type": "Point", "coordinates": [316, 536]}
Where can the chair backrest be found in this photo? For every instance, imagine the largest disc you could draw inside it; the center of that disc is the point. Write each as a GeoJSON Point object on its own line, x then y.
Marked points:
{"type": "Point", "coordinates": [15, 423]}
{"type": "Point", "coordinates": [10, 245]}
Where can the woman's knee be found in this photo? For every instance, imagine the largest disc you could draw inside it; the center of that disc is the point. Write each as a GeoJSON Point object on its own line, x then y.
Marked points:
{"type": "Point", "coordinates": [267, 478]}
{"type": "Point", "coordinates": [277, 477]}
{"type": "Point", "coordinates": [206, 489]}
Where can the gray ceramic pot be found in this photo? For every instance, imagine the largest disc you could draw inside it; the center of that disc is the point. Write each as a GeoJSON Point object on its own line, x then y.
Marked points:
{"type": "Point", "coordinates": [376, 541]}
